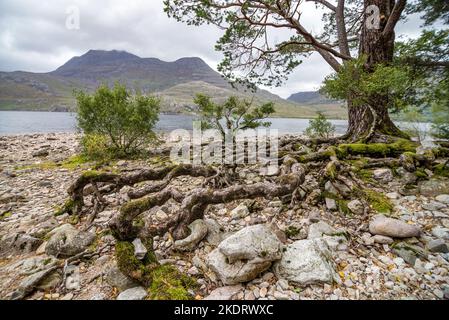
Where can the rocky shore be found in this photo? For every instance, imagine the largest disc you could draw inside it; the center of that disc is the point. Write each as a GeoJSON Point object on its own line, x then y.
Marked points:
{"type": "Point", "coordinates": [244, 250]}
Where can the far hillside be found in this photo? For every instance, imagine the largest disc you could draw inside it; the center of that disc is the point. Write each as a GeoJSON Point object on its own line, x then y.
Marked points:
{"type": "Point", "coordinates": [176, 82]}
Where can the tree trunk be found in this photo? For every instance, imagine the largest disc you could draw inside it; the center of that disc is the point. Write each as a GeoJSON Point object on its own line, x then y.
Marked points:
{"type": "Point", "coordinates": [372, 122]}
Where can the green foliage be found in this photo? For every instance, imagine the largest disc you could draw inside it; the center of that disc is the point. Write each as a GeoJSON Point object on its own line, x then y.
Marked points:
{"type": "Point", "coordinates": [233, 115]}
{"type": "Point", "coordinates": [427, 69]}
{"type": "Point", "coordinates": [320, 127]}
{"type": "Point", "coordinates": [442, 170]}
{"type": "Point", "coordinates": [414, 118]}
{"type": "Point", "coordinates": [440, 126]}
{"type": "Point", "coordinates": [97, 147]}
{"type": "Point", "coordinates": [121, 123]}
{"type": "Point", "coordinates": [431, 10]}
{"type": "Point", "coordinates": [353, 82]}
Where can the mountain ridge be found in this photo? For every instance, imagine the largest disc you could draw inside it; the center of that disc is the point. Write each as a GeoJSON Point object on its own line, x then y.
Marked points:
{"type": "Point", "coordinates": [176, 80]}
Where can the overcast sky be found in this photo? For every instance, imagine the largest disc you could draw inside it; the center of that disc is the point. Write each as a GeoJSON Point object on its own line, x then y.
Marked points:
{"type": "Point", "coordinates": [34, 36]}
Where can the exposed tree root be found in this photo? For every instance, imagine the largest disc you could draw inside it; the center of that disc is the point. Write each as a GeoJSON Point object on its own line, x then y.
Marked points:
{"type": "Point", "coordinates": [194, 203]}
{"type": "Point", "coordinates": [332, 162]}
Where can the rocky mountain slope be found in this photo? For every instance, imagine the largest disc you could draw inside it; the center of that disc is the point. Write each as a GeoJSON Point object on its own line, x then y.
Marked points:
{"type": "Point", "coordinates": [176, 82]}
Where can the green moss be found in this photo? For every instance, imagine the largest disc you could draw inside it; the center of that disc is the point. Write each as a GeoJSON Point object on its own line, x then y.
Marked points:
{"type": "Point", "coordinates": [74, 219]}
{"type": "Point", "coordinates": [67, 207]}
{"type": "Point", "coordinates": [377, 149]}
{"type": "Point", "coordinates": [365, 175]}
{"type": "Point", "coordinates": [343, 207]}
{"type": "Point", "coordinates": [130, 265]}
{"type": "Point", "coordinates": [165, 282]}
{"type": "Point", "coordinates": [291, 232]}
{"type": "Point", "coordinates": [169, 284]}
{"type": "Point", "coordinates": [5, 215]}
{"type": "Point", "coordinates": [331, 170]}
{"type": "Point", "coordinates": [441, 170]}
{"type": "Point", "coordinates": [421, 174]}
{"type": "Point", "coordinates": [74, 162]}
{"type": "Point", "coordinates": [47, 165]}
{"type": "Point", "coordinates": [378, 201]}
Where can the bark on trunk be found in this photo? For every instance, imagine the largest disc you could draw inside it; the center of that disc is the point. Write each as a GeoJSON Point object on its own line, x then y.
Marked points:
{"type": "Point", "coordinates": [372, 122]}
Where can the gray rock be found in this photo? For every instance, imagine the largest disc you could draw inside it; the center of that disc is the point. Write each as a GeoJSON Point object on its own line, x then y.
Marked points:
{"type": "Point", "coordinates": [269, 171]}
{"type": "Point", "coordinates": [331, 204]}
{"type": "Point", "coordinates": [317, 230]}
{"type": "Point", "coordinates": [40, 153]}
{"type": "Point", "coordinates": [433, 206]}
{"type": "Point", "coordinates": [215, 232]}
{"type": "Point", "coordinates": [433, 187]}
{"type": "Point", "coordinates": [329, 187]}
{"type": "Point", "coordinates": [237, 272]}
{"type": "Point", "coordinates": [437, 245]}
{"type": "Point", "coordinates": [383, 175]}
{"type": "Point", "coordinates": [356, 207]}
{"type": "Point", "coordinates": [137, 293]}
{"type": "Point", "coordinates": [115, 278]}
{"type": "Point", "coordinates": [408, 255]}
{"type": "Point", "coordinates": [198, 230]}
{"type": "Point", "coordinates": [306, 262]}
{"type": "Point", "coordinates": [382, 239]}
{"type": "Point", "coordinates": [139, 249]}
{"type": "Point", "coordinates": [19, 243]}
{"type": "Point", "coordinates": [30, 283]}
{"type": "Point", "coordinates": [245, 254]}
{"type": "Point", "coordinates": [240, 212]}
{"type": "Point", "coordinates": [257, 241]}
{"type": "Point", "coordinates": [98, 296]}
{"type": "Point", "coordinates": [67, 241]}
{"type": "Point", "coordinates": [224, 293]}
{"type": "Point", "coordinates": [51, 281]}
{"type": "Point", "coordinates": [384, 226]}
{"type": "Point", "coordinates": [441, 233]}
{"type": "Point", "coordinates": [409, 178]}
{"type": "Point", "coordinates": [444, 198]}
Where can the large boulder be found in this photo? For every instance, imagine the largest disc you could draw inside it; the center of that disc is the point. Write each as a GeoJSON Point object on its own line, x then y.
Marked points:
{"type": "Point", "coordinates": [434, 187]}
{"type": "Point", "coordinates": [306, 262]}
{"type": "Point", "coordinates": [198, 230]}
{"type": "Point", "coordinates": [245, 254]}
{"type": "Point", "coordinates": [258, 241]}
{"type": "Point", "coordinates": [394, 228]}
{"type": "Point", "coordinates": [18, 243]}
{"type": "Point", "coordinates": [66, 241]}
{"type": "Point", "coordinates": [384, 175]}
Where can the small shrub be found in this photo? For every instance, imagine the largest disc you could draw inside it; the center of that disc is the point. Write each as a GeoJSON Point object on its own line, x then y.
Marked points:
{"type": "Point", "coordinates": [320, 127]}
{"type": "Point", "coordinates": [96, 147]}
{"type": "Point", "coordinates": [115, 122]}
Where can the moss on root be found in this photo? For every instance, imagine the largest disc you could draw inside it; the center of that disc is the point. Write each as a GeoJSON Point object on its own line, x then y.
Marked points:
{"type": "Point", "coordinates": [164, 282]}
{"type": "Point", "coordinates": [68, 207]}
{"type": "Point", "coordinates": [376, 149]}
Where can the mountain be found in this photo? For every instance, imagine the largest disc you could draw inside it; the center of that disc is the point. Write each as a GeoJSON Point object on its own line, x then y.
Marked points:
{"type": "Point", "coordinates": [311, 97]}
{"type": "Point", "coordinates": [176, 82]}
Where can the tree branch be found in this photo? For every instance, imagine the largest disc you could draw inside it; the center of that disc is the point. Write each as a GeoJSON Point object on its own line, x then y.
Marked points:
{"type": "Point", "coordinates": [394, 18]}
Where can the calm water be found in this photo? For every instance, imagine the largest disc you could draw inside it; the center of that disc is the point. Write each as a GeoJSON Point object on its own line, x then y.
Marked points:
{"type": "Point", "coordinates": [16, 122]}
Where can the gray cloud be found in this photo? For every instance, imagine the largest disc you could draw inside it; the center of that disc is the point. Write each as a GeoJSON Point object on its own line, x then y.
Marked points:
{"type": "Point", "coordinates": [34, 37]}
